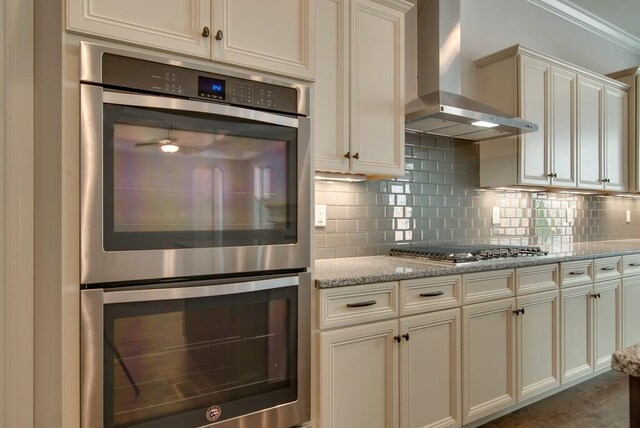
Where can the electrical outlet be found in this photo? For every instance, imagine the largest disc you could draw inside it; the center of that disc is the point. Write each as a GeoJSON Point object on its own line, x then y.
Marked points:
{"type": "Point", "coordinates": [495, 218]}
{"type": "Point", "coordinates": [570, 215]}
{"type": "Point", "coordinates": [321, 215]}
{"type": "Point", "coordinates": [628, 216]}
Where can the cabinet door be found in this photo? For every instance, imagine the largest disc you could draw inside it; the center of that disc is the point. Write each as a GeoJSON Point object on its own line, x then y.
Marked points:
{"type": "Point", "coordinates": [377, 88]}
{"type": "Point", "coordinates": [273, 36]}
{"type": "Point", "coordinates": [589, 133]}
{"type": "Point", "coordinates": [562, 124]}
{"type": "Point", "coordinates": [488, 358]}
{"type": "Point", "coordinates": [430, 370]}
{"type": "Point", "coordinates": [538, 344]}
{"type": "Point", "coordinates": [331, 89]}
{"type": "Point", "coordinates": [607, 321]}
{"type": "Point", "coordinates": [359, 377]}
{"type": "Point", "coordinates": [576, 346]}
{"type": "Point", "coordinates": [171, 25]}
{"type": "Point", "coordinates": [534, 101]}
{"type": "Point", "coordinates": [630, 312]}
{"type": "Point", "coordinates": [615, 139]}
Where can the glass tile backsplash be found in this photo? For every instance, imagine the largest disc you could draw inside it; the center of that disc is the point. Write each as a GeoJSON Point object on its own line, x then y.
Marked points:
{"type": "Point", "coordinates": [438, 201]}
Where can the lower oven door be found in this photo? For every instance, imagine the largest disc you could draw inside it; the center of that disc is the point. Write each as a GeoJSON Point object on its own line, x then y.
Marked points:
{"type": "Point", "coordinates": [220, 354]}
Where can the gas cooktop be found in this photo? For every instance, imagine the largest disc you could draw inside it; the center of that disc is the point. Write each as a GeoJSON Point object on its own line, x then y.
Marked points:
{"type": "Point", "coordinates": [465, 253]}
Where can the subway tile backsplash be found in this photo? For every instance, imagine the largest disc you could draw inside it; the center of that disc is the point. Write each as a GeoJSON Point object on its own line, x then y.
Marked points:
{"type": "Point", "coordinates": [438, 201]}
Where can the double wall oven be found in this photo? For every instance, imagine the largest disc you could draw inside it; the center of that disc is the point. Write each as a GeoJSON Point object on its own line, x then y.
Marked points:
{"type": "Point", "coordinates": [195, 223]}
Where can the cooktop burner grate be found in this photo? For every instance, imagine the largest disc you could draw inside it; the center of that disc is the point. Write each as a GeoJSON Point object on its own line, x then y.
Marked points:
{"type": "Point", "coordinates": [465, 253]}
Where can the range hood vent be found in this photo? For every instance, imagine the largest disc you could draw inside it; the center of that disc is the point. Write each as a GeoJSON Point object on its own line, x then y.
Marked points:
{"type": "Point", "coordinates": [440, 109]}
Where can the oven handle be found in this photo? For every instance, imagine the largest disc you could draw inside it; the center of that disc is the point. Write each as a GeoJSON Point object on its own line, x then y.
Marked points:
{"type": "Point", "coordinates": [150, 101]}
{"type": "Point", "coordinates": [128, 296]}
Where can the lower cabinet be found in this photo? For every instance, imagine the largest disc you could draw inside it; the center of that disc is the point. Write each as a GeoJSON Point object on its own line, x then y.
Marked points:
{"type": "Point", "coordinates": [631, 311]}
{"type": "Point", "coordinates": [488, 358]}
{"type": "Point", "coordinates": [430, 370]}
{"type": "Point", "coordinates": [510, 350]}
{"type": "Point", "coordinates": [590, 327]}
{"type": "Point", "coordinates": [363, 368]}
{"type": "Point", "coordinates": [359, 376]}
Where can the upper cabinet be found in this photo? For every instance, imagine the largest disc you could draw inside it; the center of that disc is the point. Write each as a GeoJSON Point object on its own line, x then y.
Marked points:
{"type": "Point", "coordinates": [277, 36]}
{"type": "Point", "coordinates": [581, 137]}
{"type": "Point", "coordinates": [602, 133]}
{"type": "Point", "coordinates": [631, 77]}
{"type": "Point", "coordinates": [359, 93]}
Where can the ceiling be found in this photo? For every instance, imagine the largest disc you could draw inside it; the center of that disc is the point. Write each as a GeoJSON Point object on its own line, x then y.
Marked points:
{"type": "Point", "coordinates": [615, 20]}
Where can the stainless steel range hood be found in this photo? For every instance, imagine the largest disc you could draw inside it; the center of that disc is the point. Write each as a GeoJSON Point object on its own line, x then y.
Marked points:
{"type": "Point", "coordinates": [440, 109]}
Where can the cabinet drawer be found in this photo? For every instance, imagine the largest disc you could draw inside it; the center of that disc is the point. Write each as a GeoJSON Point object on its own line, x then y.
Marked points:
{"type": "Point", "coordinates": [576, 273]}
{"type": "Point", "coordinates": [358, 304]}
{"type": "Point", "coordinates": [607, 268]}
{"type": "Point", "coordinates": [429, 294]}
{"type": "Point", "coordinates": [484, 286]}
{"type": "Point", "coordinates": [536, 278]}
{"type": "Point", "coordinates": [631, 265]}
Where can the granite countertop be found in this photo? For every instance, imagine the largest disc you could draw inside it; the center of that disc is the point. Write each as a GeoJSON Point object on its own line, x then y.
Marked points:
{"type": "Point", "coordinates": [367, 270]}
{"type": "Point", "coordinates": [627, 360]}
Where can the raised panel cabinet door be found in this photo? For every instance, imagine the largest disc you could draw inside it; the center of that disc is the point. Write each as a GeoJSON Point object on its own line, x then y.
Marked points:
{"type": "Point", "coordinates": [488, 358]}
{"type": "Point", "coordinates": [607, 321]}
{"type": "Point", "coordinates": [170, 25]}
{"type": "Point", "coordinates": [534, 104]}
{"type": "Point", "coordinates": [576, 327]}
{"type": "Point", "coordinates": [615, 139]}
{"type": "Point", "coordinates": [359, 377]}
{"type": "Point", "coordinates": [538, 343]}
{"type": "Point", "coordinates": [562, 123]}
{"type": "Point", "coordinates": [589, 133]}
{"type": "Point", "coordinates": [430, 370]}
{"type": "Point", "coordinates": [377, 88]}
{"type": "Point", "coordinates": [277, 36]}
{"type": "Point", "coordinates": [630, 311]}
{"type": "Point", "coordinates": [331, 89]}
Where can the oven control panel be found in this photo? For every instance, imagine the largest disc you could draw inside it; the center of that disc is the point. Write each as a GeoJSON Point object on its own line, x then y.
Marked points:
{"type": "Point", "coordinates": [141, 75]}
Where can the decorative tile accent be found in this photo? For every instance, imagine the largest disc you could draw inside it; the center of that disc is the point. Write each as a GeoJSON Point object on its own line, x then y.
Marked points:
{"type": "Point", "coordinates": [438, 201]}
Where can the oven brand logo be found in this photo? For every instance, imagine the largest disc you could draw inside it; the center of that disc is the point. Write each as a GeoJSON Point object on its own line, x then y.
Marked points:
{"type": "Point", "coordinates": [213, 413]}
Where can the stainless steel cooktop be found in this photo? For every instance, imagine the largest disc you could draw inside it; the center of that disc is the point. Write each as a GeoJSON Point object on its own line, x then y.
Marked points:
{"type": "Point", "coordinates": [465, 253]}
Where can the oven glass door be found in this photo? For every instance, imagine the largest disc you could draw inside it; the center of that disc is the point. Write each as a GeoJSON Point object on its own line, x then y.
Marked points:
{"type": "Point", "coordinates": [182, 179]}
{"type": "Point", "coordinates": [167, 361]}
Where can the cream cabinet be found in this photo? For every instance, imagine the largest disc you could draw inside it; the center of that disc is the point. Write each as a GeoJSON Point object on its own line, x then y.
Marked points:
{"type": "Point", "coordinates": [602, 141]}
{"type": "Point", "coordinates": [277, 37]}
{"type": "Point", "coordinates": [631, 311]}
{"type": "Point", "coordinates": [488, 358]}
{"type": "Point", "coordinates": [631, 77]}
{"type": "Point", "coordinates": [538, 343]}
{"type": "Point", "coordinates": [359, 94]}
{"type": "Point", "coordinates": [397, 372]}
{"type": "Point", "coordinates": [591, 327]}
{"type": "Point", "coordinates": [580, 140]}
{"type": "Point", "coordinates": [359, 376]}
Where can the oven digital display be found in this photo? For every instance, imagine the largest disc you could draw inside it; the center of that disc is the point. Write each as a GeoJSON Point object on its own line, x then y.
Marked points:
{"type": "Point", "coordinates": [209, 87]}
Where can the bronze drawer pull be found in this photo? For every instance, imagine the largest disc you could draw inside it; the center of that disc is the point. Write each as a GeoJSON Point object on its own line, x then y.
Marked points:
{"type": "Point", "coordinates": [361, 304]}
{"type": "Point", "coordinates": [634, 264]}
{"type": "Point", "coordinates": [578, 272]}
{"type": "Point", "coordinates": [608, 268]}
{"type": "Point", "coordinates": [432, 294]}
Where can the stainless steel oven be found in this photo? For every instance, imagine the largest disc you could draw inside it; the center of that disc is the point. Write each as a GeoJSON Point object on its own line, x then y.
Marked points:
{"type": "Point", "coordinates": [189, 171]}
{"type": "Point", "coordinates": [220, 353]}
{"type": "Point", "coordinates": [195, 224]}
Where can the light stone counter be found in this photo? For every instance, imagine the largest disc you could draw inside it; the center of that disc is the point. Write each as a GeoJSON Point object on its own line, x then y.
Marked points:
{"type": "Point", "coordinates": [627, 360]}
{"type": "Point", "coordinates": [367, 270]}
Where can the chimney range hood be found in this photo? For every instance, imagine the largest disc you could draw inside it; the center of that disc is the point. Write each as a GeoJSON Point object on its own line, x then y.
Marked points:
{"type": "Point", "coordinates": [440, 109]}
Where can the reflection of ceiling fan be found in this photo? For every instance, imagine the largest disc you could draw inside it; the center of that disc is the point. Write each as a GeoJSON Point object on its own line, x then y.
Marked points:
{"type": "Point", "coordinates": [167, 145]}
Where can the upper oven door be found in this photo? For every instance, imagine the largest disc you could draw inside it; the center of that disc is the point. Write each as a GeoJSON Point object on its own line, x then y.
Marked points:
{"type": "Point", "coordinates": [174, 187]}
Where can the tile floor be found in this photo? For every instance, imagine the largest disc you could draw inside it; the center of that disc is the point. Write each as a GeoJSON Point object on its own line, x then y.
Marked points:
{"type": "Point", "coordinates": [601, 402]}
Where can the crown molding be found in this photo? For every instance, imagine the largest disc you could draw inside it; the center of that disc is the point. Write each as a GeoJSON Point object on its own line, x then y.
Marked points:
{"type": "Point", "coordinates": [585, 19]}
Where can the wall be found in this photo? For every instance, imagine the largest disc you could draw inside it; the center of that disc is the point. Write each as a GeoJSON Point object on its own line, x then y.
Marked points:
{"type": "Point", "coordinates": [490, 25]}
{"type": "Point", "coordinates": [438, 201]}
